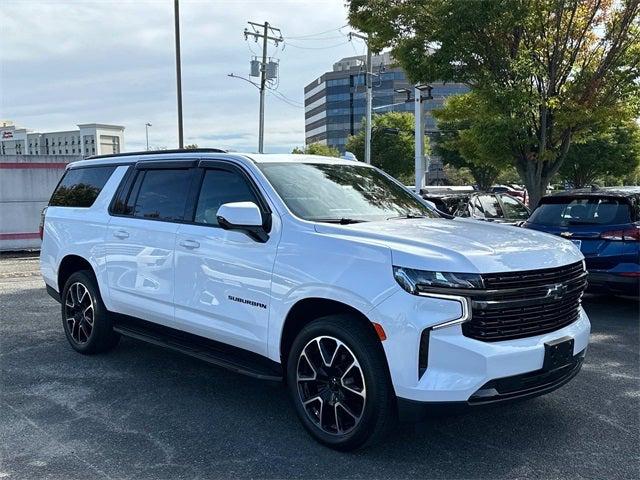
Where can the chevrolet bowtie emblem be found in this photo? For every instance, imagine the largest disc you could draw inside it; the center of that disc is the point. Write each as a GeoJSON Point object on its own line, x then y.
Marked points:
{"type": "Point", "coordinates": [557, 291]}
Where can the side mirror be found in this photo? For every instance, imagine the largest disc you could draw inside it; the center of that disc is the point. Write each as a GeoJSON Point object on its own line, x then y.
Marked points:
{"type": "Point", "coordinates": [244, 216]}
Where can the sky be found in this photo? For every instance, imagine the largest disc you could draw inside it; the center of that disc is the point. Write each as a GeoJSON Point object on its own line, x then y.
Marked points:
{"type": "Point", "coordinates": [64, 63]}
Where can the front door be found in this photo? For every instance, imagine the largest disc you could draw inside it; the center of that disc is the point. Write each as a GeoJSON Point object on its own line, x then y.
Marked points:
{"type": "Point", "coordinates": [223, 277]}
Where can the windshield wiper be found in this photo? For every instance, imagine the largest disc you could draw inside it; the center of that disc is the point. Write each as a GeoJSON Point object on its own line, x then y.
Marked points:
{"type": "Point", "coordinates": [340, 221]}
{"type": "Point", "coordinates": [407, 215]}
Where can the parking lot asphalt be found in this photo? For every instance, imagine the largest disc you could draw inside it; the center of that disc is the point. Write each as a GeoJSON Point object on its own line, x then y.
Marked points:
{"type": "Point", "coordinates": [144, 412]}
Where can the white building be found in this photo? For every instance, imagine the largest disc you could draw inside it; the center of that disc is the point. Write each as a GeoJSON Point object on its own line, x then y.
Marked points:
{"type": "Point", "coordinates": [90, 139]}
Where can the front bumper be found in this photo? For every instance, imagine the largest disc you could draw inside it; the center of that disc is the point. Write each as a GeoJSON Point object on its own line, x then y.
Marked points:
{"type": "Point", "coordinates": [517, 387]}
{"type": "Point", "coordinates": [459, 367]}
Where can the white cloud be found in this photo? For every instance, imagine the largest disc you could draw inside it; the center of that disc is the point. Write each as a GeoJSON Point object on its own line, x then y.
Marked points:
{"type": "Point", "coordinates": [113, 62]}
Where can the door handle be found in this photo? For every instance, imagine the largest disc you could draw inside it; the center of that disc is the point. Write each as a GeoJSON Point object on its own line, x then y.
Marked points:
{"type": "Point", "coordinates": [121, 234]}
{"type": "Point", "coordinates": [190, 244]}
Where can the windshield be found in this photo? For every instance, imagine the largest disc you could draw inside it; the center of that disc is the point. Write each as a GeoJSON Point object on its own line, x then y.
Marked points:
{"type": "Point", "coordinates": [582, 211]}
{"type": "Point", "coordinates": [341, 193]}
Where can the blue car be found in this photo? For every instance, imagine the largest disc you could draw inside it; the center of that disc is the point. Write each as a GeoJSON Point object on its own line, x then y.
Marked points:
{"type": "Point", "coordinates": [605, 224]}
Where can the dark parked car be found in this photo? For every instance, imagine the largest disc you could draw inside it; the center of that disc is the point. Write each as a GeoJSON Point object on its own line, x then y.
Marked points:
{"type": "Point", "coordinates": [492, 207]}
{"type": "Point", "coordinates": [605, 224]}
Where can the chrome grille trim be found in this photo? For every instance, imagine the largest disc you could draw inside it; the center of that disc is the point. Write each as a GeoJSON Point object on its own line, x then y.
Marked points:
{"type": "Point", "coordinates": [525, 304]}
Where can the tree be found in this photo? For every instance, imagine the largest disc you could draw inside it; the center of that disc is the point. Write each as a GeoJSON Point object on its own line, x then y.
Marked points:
{"type": "Point", "coordinates": [547, 70]}
{"type": "Point", "coordinates": [317, 149]}
{"type": "Point", "coordinates": [392, 144]}
{"type": "Point", "coordinates": [610, 153]}
{"type": "Point", "coordinates": [464, 126]}
{"type": "Point", "coordinates": [191, 146]}
{"type": "Point", "coordinates": [458, 176]}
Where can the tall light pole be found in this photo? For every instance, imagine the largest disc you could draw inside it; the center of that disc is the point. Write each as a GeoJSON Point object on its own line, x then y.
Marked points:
{"type": "Point", "coordinates": [146, 127]}
{"type": "Point", "coordinates": [421, 94]}
{"type": "Point", "coordinates": [369, 97]}
{"type": "Point", "coordinates": [176, 12]}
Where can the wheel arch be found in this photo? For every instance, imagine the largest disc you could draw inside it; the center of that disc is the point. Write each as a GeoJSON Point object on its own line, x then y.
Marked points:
{"type": "Point", "coordinates": [307, 310]}
{"type": "Point", "coordinates": [69, 265]}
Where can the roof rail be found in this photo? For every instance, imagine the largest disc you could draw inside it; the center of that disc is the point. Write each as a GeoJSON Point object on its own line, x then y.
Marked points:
{"type": "Point", "coordinates": [159, 152]}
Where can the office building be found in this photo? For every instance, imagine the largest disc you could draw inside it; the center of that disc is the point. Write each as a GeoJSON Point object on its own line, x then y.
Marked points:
{"type": "Point", "coordinates": [335, 102]}
{"type": "Point", "coordinates": [89, 139]}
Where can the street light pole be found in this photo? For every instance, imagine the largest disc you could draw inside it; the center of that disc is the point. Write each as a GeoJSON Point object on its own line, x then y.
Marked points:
{"type": "Point", "coordinates": [419, 139]}
{"type": "Point", "coordinates": [369, 97]}
{"type": "Point", "coordinates": [176, 10]}
{"type": "Point", "coordinates": [367, 133]}
{"type": "Point", "coordinates": [146, 127]}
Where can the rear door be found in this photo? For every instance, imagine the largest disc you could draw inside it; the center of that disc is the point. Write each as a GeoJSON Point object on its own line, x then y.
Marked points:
{"type": "Point", "coordinates": [141, 238]}
{"type": "Point", "coordinates": [223, 277]}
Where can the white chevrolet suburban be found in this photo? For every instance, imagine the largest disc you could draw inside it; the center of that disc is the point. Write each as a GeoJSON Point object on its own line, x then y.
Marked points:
{"type": "Point", "coordinates": [326, 274]}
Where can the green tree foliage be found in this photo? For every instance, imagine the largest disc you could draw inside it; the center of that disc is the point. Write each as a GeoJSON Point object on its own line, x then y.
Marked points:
{"type": "Point", "coordinates": [392, 144]}
{"type": "Point", "coordinates": [546, 70]}
{"type": "Point", "coordinates": [192, 146]}
{"type": "Point", "coordinates": [317, 149]}
{"type": "Point", "coordinates": [458, 176]}
{"type": "Point", "coordinates": [607, 154]}
{"type": "Point", "coordinates": [471, 137]}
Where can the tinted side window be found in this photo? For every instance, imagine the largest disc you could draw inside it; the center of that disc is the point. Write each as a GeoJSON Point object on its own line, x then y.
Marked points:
{"type": "Point", "coordinates": [162, 194]}
{"type": "Point", "coordinates": [80, 187]}
{"type": "Point", "coordinates": [513, 209]}
{"type": "Point", "coordinates": [218, 187]}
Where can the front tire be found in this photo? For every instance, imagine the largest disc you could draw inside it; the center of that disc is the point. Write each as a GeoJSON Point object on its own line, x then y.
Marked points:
{"type": "Point", "coordinates": [339, 382]}
{"type": "Point", "coordinates": [85, 319]}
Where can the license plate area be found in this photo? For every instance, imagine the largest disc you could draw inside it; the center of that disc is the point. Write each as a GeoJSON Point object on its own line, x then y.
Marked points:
{"type": "Point", "coordinates": [558, 353]}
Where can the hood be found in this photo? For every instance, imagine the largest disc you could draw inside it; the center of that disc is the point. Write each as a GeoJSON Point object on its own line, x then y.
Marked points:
{"type": "Point", "coordinates": [460, 245]}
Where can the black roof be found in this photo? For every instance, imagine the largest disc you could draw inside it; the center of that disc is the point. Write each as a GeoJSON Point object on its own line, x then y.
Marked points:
{"type": "Point", "coordinates": [159, 152]}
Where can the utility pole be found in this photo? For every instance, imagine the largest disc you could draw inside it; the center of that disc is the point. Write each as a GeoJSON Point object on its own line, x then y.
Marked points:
{"type": "Point", "coordinates": [266, 32]}
{"type": "Point", "coordinates": [176, 11]}
{"type": "Point", "coordinates": [146, 127]}
{"type": "Point", "coordinates": [369, 96]}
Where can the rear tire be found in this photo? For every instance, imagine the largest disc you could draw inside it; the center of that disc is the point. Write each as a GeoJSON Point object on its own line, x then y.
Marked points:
{"type": "Point", "coordinates": [339, 382]}
{"type": "Point", "coordinates": [85, 319]}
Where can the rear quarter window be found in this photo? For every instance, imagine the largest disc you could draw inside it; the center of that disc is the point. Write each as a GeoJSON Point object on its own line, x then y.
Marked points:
{"type": "Point", "coordinates": [79, 187]}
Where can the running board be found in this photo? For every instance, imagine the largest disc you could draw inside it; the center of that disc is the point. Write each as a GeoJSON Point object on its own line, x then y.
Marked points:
{"type": "Point", "coordinates": [232, 358]}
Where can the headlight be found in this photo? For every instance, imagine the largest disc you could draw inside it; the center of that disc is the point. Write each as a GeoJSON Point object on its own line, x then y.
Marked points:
{"type": "Point", "coordinates": [417, 281]}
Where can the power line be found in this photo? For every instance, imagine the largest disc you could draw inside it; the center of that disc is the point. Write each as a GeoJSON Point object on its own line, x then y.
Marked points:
{"type": "Point", "coordinates": [276, 94]}
{"type": "Point", "coordinates": [319, 33]}
{"type": "Point", "coordinates": [286, 43]}
{"type": "Point", "coordinates": [315, 39]}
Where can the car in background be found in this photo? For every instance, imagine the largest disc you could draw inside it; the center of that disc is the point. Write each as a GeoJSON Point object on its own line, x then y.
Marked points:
{"type": "Point", "coordinates": [605, 224]}
{"type": "Point", "coordinates": [491, 207]}
{"type": "Point", "coordinates": [512, 189]}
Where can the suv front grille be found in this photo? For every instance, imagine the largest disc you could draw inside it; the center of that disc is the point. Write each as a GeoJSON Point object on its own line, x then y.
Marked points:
{"type": "Point", "coordinates": [525, 304]}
